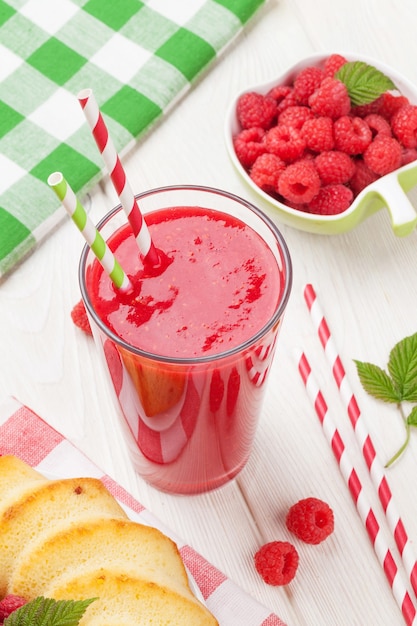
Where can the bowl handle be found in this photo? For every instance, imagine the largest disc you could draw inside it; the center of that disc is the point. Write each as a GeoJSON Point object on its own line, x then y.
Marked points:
{"type": "Point", "coordinates": [392, 190]}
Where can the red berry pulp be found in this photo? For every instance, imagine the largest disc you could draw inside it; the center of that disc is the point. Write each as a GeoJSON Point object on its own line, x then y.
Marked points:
{"type": "Point", "coordinates": [215, 288]}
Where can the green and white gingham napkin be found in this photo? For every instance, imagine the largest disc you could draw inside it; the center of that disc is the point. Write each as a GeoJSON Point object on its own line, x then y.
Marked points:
{"type": "Point", "coordinates": [139, 57]}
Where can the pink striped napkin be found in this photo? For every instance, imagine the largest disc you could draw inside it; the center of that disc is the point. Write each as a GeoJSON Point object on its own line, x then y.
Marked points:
{"type": "Point", "coordinates": [26, 435]}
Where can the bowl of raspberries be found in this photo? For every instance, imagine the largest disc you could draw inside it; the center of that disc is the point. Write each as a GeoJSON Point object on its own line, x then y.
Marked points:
{"type": "Point", "coordinates": [329, 143]}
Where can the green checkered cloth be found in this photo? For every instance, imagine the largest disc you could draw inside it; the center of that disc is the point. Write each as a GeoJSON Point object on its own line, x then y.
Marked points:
{"type": "Point", "coordinates": [137, 56]}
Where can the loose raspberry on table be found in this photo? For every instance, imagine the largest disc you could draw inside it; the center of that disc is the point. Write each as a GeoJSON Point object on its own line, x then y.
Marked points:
{"type": "Point", "coordinates": [311, 520]}
{"type": "Point", "coordinates": [331, 99]}
{"type": "Point", "coordinates": [249, 144]}
{"type": "Point", "coordinates": [306, 83]}
{"type": "Point", "coordinates": [334, 167]}
{"type": "Point", "coordinates": [404, 125]}
{"type": "Point", "coordinates": [351, 135]}
{"type": "Point", "coordinates": [285, 141]}
{"type": "Point", "coordinates": [266, 171]}
{"type": "Point", "coordinates": [299, 182]}
{"type": "Point", "coordinates": [383, 155]}
{"type": "Point", "coordinates": [277, 562]}
{"type": "Point", "coordinates": [79, 317]}
{"type": "Point", "coordinates": [9, 604]}
{"type": "Point", "coordinates": [317, 132]}
{"type": "Point", "coordinates": [332, 64]}
{"type": "Point", "coordinates": [254, 109]}
{"type": "Point", "coordinates": [331, 200]}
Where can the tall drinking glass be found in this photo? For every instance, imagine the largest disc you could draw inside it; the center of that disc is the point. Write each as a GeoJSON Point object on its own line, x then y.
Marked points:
{"type": "Point", "coordinates": [189, 350]}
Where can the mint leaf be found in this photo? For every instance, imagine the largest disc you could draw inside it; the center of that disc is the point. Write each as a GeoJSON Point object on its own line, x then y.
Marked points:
{"type": "Point", "coordinates": [364, 82]}
{"type": "Point", "coordinates": [402, 366]}
{"type": "Point", "coordinates": [377, 383]}
{"type": "Point", "coordinates": [48, 612]}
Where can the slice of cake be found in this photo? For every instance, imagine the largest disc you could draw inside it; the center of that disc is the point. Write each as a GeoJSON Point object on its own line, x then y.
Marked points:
{"type": "Point", "coordinates": [123, 544]}
{"type": "Point", "coordinates": [70, 539]}
{"type": "Point", "coordinates": [123, 601]}
{"type": "Point", "coordinates": [46, 507]}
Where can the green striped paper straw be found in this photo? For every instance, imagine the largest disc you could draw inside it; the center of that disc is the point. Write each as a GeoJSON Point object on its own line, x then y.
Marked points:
{"type": "Point", "coordinates": [90, 233]}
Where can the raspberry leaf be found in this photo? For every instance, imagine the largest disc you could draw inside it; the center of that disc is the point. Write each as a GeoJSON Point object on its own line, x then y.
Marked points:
{"type": "Point", "coordinates": [377, 383]}
{"type": "Point", "coordinates": [48, 612]}
{"type": "Point", "coordinates": [402, 366]}
{"type": "Point", "coordinates": [364, 82]}
{"type": "Point", "coordinates": [412, 418]}
{"type": "Point", "coordinates": [398, 386]}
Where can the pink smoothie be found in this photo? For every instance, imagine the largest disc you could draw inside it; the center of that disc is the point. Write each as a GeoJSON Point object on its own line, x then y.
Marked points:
{"type": "Point", "coordinates": [218, 284]}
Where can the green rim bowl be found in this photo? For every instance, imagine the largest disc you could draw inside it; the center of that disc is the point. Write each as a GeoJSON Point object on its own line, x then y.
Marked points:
{"type": "Point", "coordinates": [387, 192]}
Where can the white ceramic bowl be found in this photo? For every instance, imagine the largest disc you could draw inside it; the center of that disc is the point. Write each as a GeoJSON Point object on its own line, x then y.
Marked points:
{"type": "Point", "coordinates": [388, 192]}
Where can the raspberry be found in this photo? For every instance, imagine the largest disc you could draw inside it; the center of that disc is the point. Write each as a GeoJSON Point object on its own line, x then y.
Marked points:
{"type": "Point", "coordinates": [311, 520]}
{"type": "Point", "coordinates": [9, 604]}
{"type": "Point", "coordinates": [404, 125]}
{"type": "Point", "coordinates": [285, 141]}
{"type": "Point", "coordinates": [306, 83]}
{"type": "Point", "coordinates": [408, 156]}
{"type": "Point", "coordinates": [362, 177]}
{"type": "Point", "coordinates": [331, 200]}
{"type": "Point", "coordinates": [351, 135]}
{"type": "Point", "coordinates": [390, 104]}
{"type": "Point", "coordinates": [288, 101]}
{"type": "Point", "coordinates": [332, 64]}
{"type": "Point", "coordinates": [378, 125]}
{"type": "Point", "coordinates": [254, 109]}
{"type": "Point", "coordinates": [323, 139]}
{"type": "Point", "coordinates": [299, 182]}
{"type": "Point", "coordinates": [80, 319]}
{"type": "Point", "coordinates": [362, 110]}
{"type": "Point", "coordinates": [266, 171]}
{"type": "Point", "coordinates": [295, 116]}
{"type": "Point", "coordinates": [277, 562]}
{"type": "Point", "coordinates": [279, 92]}
{"type": "Point", "coordinates": [331, 99]}
{"type": "Point", "coordinates": [318, 134]}
{"type": "Point", "coordinates": [383, 155]}
{"type": "Point", "coordinates": [334, 167]}
{"type": "Point", "coordinates": [249, 144]}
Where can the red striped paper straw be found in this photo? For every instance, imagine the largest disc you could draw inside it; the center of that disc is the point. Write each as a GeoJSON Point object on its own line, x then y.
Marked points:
{"type": "Point", "coordinates": [118, 176]}
{"type": "Point", "coordinates": [367, 515]}
{"type": "Point", "coordinates": [374, 465]}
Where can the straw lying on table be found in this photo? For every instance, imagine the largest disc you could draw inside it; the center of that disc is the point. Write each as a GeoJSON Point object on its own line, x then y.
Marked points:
{"type": "Point", "coordinates": [367, 515]}
{"type": "Point", "coordinates": [90, 233]}
{"type": "Point", "coordinates": [118, 177]}
{"type": "Point", "coordinates": [375, 467]}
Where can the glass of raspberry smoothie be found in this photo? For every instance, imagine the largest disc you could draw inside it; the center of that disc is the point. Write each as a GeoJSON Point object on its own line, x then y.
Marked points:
{"type": "Point", "coordinates": [190, 346]}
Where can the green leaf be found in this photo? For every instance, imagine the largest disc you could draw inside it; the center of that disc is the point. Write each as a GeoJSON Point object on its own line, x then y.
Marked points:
{"type": "Point", "coordinates": [364, 82]}
{"type": "Point", "coordinates": [377, 382]}
{"type": "Point", "coordinates": [412, 418]}
{"type": "Point", "coordinates": [402, 366]}
{"type": "Point", "coordinates": [48, 612]}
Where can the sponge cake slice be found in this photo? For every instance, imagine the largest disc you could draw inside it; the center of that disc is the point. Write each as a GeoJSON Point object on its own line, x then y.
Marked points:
{"type": "Point", "coordinates": [47, 507]}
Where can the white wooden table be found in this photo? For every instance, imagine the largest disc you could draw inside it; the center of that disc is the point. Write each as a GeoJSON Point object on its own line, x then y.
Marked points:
{"type": "Point", "coordinates": [367, 283]}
